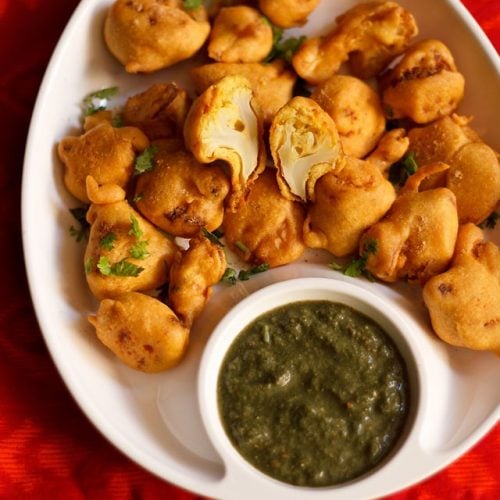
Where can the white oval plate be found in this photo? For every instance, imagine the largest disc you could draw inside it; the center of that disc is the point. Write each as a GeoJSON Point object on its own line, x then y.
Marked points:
{"type": "Point", "coordinates": [154, 419]}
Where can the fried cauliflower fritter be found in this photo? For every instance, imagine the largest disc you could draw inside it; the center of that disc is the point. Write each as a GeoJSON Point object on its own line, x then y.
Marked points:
{"type": "Point", "coordinates": [192, 275]}
{"type": "Point", "coordinates": [266, 227]}
{"type": "Point", "coordinates": [287, 13]}
{"type": "Point", "coordinates": [240, 35]}
{"type": "Point", "coordinates": [272, 83]}
{"type": "Point", "coordinates": [148, 35]}
{"type": "Point", "coordinates": [425, 85]}
{"type": "Point", "coordinates": [464, 302]}
{"type": "Point", "coordinates": [141, 331]}
{"type": "Point", "coordinates": [305, 145]}
{"type": "Point", "coordinates": [356, 110]}
{"type": "Point", "coordinates": [473, 165]}
{"type": "Point", "coordinates": [369, 35]}
{"type": "Point", "coordinates": [103, 152]}
{"type": "Point", "coordinates": [125, 252]}
{"type": "Point", "coordinates": [159, 111]}
{"type": "Point", "coordinates": [224, 123]}
{"type": "Point", "coordinates": [416, 238]}
{"type": "Point", "coordinates": [347, 203]}
{"type": "Point", "coordinates": [390, 149]}
{"type": "Point", "coordinates": [180, 195]}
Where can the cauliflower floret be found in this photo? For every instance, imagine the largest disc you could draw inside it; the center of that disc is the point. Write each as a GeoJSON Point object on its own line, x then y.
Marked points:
{"type": "Point", "coordinates": [305, 145]}
{"type": "Point", "coordinates": [425, 85]}
{"type": "Point", "coordinates": [148, 35]}
{"type": "Point", "coordinates": [287, 13]}
{"type": "Point", "coordinates": [370, 35]}
{"type": "Point", "coordinates": [224, 124]}
{"type": "Point", "coordinates": [240, 34]}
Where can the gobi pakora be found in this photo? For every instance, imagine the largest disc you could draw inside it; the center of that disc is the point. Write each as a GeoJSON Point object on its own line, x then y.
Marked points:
{"type": "Point", "coordinates": [287, 13]}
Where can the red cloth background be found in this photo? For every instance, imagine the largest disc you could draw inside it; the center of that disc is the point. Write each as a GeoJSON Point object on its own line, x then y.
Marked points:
{"type": "Point", "coordinates": [48, 449]}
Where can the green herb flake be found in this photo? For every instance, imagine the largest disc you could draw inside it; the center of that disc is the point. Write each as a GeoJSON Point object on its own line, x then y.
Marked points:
{"type": "Point", "coordinates": [122, 268]}
{"type": "Point", "coordinates": [117, 121]}
{"type": "Point", "coordinates": [139, 250]}
{"type": "Point", "coordinates": [283, 49]}
{"type": "Point", "coordinates": [357, 267]}
{"type": "Point", "coordinates": [491, 221]}
{"type": "Point", "coordinates": [89, 265]}
{"type": "Point", "coordinates": [98, 101]}
{"type": "Point", "coordinates": [145, 161]}
{"type": "Point", "coordinates": [213, 237]}
{"type": "Point", "coordinates": [135, 229]}
{"type": "Point", "coordinates": [191, 4]}
{"type": "Point", "coordinates": [245, 275]}
{"type": "Point", "coordinates": [230, 276]}
{"type": "Point", "coordinates": [81, 232]}
{"type": "Point", "coordinates": [402, 169]}
{"type": "Point", "coordinates": [107, 241]}
{"type": "Point", "coordinates": [241, 246]}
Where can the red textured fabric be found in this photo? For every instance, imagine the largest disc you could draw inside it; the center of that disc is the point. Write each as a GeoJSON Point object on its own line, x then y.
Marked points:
{"type": "Point", "coordinates": [48, 449]}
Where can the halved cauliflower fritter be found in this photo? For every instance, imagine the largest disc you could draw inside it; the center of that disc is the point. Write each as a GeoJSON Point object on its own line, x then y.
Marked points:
{"type": "Point", "coordinates": [305, 145]}
{"type": "Point", "coordinates": [180, 195]}
{"type": "Point", "coordinates": [287, 13]}
{"type": "Point", "coordinates": [356, 110]}
{"type": "Point", "coordinates": [369, 35]}
{"type": "Point", "coordinates": [464, 302]}
{"type": "Point", "coordinates": [105, 153]}
{"type": "Point", "coordinates": [266, 228]}
{"type": "Point", "coordinates": [192, 275]}
{"type": "Point", "coordinates": [141, 331]}
{"type": "Point", "coordinates": [240, 34]}
{"type": "Point", "coordinates": [224, 123]}
{"type": "Point", "coordinates": [416, 238]}
{"type": "Point", "coordinates": [425, 85]}
{"type": "Point", "coordinates": [148, 35]}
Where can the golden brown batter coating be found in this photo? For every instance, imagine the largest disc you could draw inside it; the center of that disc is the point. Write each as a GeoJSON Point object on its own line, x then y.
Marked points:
{"type": "Point", "coordinates": [464, 302]}
{"type": "Point", "coordinates": [141, 331]}
{"type": "Point", "coordinates": [272, 83]}
{"type": "Point", "coordinates": [305, 145]}
{"type": "Point", "coordinates": [390, 149]}
{"type": "Point", "coordinates": [180, 195]}
{"type": "Point", "coordinates": [224, 123]}
{"type": "Point", "coordinates": [370, 35]}
{"type": "Point", "coordinates": [266, 227]}
{"type": "Point", "coordinates": [192, 275]}
{"type": "Point", "coordinates": [287, 13]}
{"type": "Point", "coordinates": [239, 35]}
{"type": "Point", "coordinates": [416, 238]}
{"type": "Point", "coordinates": [425, 85]}
{"type": "Point", "coordinates": [356, 110]}
{"type": "Point", "coordinates": [159, 111]}
{"type": "Point", "coordinates": [125, 252]}
{"type": "Point", "coordinates": [347, 203]}
{"type": "Point", "coordinates": [103, 152]}
{"type": "Point", "coordinates": [148, 35]}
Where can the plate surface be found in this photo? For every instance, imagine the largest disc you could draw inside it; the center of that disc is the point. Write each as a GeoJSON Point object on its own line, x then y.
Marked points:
{"type": "Point", "coordinates": [155, 419]}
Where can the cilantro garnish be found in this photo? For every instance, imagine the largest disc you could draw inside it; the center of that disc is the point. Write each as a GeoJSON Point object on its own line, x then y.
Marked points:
{"type": "Point", "coordinates": [139, 250]}
{"type": "Point", "coordinates": [135, 230]}
{"type": "Point", "coordinates": [241, 246]}
{"type": "Point", "coordinates": [108, 241]}
{"type": "Point", "coordinates": [120, 268]}
{"type": "Point", "coordinates": [97, 101]}
{"type": "Point", "coordinates": [191, 4]}
{"type": "Point", "coordinates": [491, 221]}
{"type": "Point", "coordinates": [213, 237]}
{"type": "Point", "coordinates": [283, 49]}
{"type": "Point", "coordinates": [89, 264]}
{"type": "Point", "coordinates": [357, 267]}
{"type": "Point", "coordinates": [231, 276]}
{"type": "Point", "coordinates": [145, 161]}
{"type": "Point", "coordinates": [82, 232]}
{"type": "Point", "coordinates": [402, 169]}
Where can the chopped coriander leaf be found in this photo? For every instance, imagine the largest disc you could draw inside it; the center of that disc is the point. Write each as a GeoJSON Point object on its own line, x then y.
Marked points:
{"type": "Point", "coordinates": [120, 268]}
{"type": "Point", "coordinates": [139, 250]}
{"type": "Point", "coordinates": [402, 169]}
{"type": "Point", "coordinates": [80, 213]}
{"type": "Point", "coordinates": [191, 4]}
{"type": "Point", "coordinates": [336, 266]}
{"type": "Point", "coordinates": [490, 222]}
{"type": "Point", "coordinates": [241, 246]}
{"type": "Point", "coordinates": [78, 234]}
{"type": "Point", "coordinates": [355, 268]}
{"type": "Point", "coordinates": [229, 276]}
{"type": "Point", "coordinates": [212, 237]}
{"type": "Point", "coordinates": [97, 101]}
{"type": "Point", "coordinates": [283, 49]}
{"type": "Point", "coordinates": [218, 233]}
{"type": "Point", "coordinates": [89, 264]}
{"type": "Point", "coordinates": [117, 121]}
{"type": "Point", "coordinates": [107, 241]}
{"type": "Point", "coordinates": [244, 275]}
{"type": "Point", "coordinates": [370, 246]}
{"type": "Point", "coordinates": [135, 230]}
{"type": "Point", "coordinates": [145, 161]}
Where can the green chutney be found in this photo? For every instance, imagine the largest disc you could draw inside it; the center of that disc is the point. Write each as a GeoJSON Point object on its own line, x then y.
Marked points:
{"type": "Point", "coordinates": [313, 393]}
